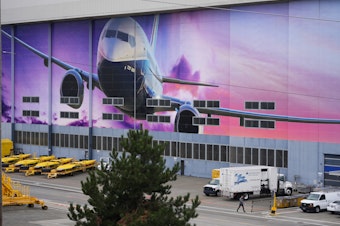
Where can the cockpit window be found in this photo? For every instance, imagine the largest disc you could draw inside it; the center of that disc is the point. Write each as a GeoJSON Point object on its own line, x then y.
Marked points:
{"type": "Point", "coordinates": [110, 33]}
{"type": "Point", "coordinates": [122, 36]}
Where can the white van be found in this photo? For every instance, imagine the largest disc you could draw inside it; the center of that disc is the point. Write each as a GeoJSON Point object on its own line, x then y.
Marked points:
{"type": "Point", "coordinates": [317, 201]}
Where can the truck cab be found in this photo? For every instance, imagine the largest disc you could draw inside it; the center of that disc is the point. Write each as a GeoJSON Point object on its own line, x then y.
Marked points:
{"type": "Point", "coordinates": [285, 187]}
{"type": "Point", "coordinates": [213, 187]}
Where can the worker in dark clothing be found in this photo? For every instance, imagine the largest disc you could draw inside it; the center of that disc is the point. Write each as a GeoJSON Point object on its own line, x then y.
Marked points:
{"type": "Point", "coordinates": [241, 203]}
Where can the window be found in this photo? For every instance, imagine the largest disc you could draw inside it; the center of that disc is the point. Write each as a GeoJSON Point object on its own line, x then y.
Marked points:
{"type": "Point", "coordinates": [109, 143]}
{"type": "Point", "coordinates": [239, 155]}
{"type": "Point", "coordinates": [182, 150]}
{"type": "Point", "coordinates": [73, 115]}
{"type": "Point", "coordinates": [105, 143]}
{"type": "Point", "coordinates": [76, 141]}
{"type": "Point", "coordinates": [167, 148]}
{"type": "Point", "coordinates": [115, 101]}
{"type": "Point", "coordinates": [113, 116]}
{"type": "Point", "coordinates": [158, 118]}
{"type": "Point", "coordinates": [251, 105]}
{"type": "Point", "coordinates": [279, 158]}
{"type": "Point", "coordinates": [224, 153]}
{"type": "Point", "coordinates": [202, 151]}
{"type": "Point", "coordinates": [259, 105]}
{"type": "Point", "coordinates": [271, 157]}
{"type": "Point", "coordinates": [267, 124]}
{"type": "Point", "coordinates": [174, 149]}
{"type": "Point", "coordinates": [247, 155]}
{"type": "Point", "coordinates": [285, 159]}
{"type": "Point", "coordinates": [206, 103]}
{"type": "Point", "coordinates": [263, 157]}
{"type": "Point", "coordinates": [216, 155]}
{"type": "Point", "coordinates": [196, 151]}
{"type": "Point", "coordinates": [213, 121]}
{"type": "Point", "coordinates": [251, 123]}
{"type": "Point", "coordinates": [189, 150]}
{"type": "Point", "coordinates": [255, 156]}
{"type": "Point", "coordinates": [99, 142]}
{"type": "Point", "coordinates": [69, 100]}
{"type": "Point", "coordinates": [30, 99]}
{"type": "Point", "coordinates": [158, 102]}
{"type": "Point", "coordinates": [232, 155]}
{"type": "Point", "coordinates": [268, 105]}
{"type": "Point", "coordinates": [209, 152]}
{"type": "Point", "coordinates": [213, 104]}
{"type": "Point", "coordinates": [26, 99]}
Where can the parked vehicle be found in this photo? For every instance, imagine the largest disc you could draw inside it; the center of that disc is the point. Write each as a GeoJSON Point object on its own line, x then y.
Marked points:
{"type": "Point", "coordinates": [107, 163]}
{"type": "Point", "coordinates": [212, 188]}
{"type": "Point", "coordinates": [334, 207]}
{"type": "Point", "coordinates": [318, 201]}
{"type": "Point", "coordinates": [252, 180]}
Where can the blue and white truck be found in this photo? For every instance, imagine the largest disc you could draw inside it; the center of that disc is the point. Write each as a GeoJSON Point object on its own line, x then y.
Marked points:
{"type": "Point", "coordinates": [252, 180]}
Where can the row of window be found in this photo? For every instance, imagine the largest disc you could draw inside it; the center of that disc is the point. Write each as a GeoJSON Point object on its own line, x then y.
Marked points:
{"type": "Point", "coordinates": [162, 119]}
{"type": "Point", "coordinates": [211, 152]}
{"type": "Point", "coordinates": [118, 101]}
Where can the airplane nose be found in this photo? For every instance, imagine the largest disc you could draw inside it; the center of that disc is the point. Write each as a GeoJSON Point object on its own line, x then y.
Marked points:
{"type": "Point", "coordinates": [115, 80]}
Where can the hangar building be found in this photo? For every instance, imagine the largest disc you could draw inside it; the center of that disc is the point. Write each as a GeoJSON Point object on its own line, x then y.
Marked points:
{"type": "Point", "coordinates": [220, 83]}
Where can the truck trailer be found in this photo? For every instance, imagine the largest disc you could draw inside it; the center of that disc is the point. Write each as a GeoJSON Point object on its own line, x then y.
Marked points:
{"type": "Point", "coordinates": [252, 180]}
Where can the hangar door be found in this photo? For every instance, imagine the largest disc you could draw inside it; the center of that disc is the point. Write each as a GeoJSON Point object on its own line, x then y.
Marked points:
{"type": "Point", "coordinates": [332, 163]}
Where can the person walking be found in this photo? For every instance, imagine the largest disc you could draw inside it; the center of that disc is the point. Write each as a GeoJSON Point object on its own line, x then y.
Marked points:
{"type": "Point", "coordinates": [241, 203]}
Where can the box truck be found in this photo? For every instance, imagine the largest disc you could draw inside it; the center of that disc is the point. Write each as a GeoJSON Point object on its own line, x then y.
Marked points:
{"type": "Point", "coordinates": [317, 201]}
{"type": "Point", "coordinates": [252, 180]}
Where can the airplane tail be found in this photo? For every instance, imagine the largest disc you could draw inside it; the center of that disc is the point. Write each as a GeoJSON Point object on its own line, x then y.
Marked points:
{"type": "Point", "coordinates": [153, 40]}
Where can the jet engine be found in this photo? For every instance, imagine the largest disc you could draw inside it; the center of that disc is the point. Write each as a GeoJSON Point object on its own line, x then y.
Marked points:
{"type": "Point", "coordinates": [184, 119]}
{"type": "Point", "coordinates": [72, 89]}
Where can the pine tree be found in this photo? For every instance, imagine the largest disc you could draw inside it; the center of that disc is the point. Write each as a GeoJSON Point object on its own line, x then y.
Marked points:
{"type": "Point", "coordinates": [134, 190]}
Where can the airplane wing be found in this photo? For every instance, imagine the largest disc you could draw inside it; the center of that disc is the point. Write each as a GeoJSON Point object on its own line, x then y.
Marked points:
{"type": "Point", "coordinates": [185, 82]}
{"type": "Point", "coordinates": [255, 115]}
{"type": "Point", "coordinates": [85, 75]}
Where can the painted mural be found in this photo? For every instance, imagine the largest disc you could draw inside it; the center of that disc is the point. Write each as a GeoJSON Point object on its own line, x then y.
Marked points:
{"type": "Point", "coordinates": [275, 53]}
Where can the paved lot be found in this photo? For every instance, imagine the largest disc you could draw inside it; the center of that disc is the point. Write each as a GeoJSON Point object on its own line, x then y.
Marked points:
{"type": "Point", "coordinates": [56, 214]}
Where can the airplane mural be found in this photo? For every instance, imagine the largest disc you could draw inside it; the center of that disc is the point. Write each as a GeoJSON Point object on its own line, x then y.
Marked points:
{"type": "Point", "coordinates": [127, 70]}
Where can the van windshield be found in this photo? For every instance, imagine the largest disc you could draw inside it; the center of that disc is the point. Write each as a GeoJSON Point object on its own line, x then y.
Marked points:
{"type": "Point", "coordinates": [313, 197]}
{"type": "Point", "coordinates": [215, 182]}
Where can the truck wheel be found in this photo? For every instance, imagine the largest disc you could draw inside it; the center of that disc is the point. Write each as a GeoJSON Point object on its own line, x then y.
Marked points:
{"type": "Point", "coordinates": [218, 193]}
{"type": "Point", "coordinates": [317, 209]}
{"type": "Point", "coordinates": [289, 191]}
{"type": "Point", "coordinates": [206, 194]}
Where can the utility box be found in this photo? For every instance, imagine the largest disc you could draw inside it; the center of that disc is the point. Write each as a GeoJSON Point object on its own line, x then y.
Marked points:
{"type": "Point", "coordinates": [6, 147]}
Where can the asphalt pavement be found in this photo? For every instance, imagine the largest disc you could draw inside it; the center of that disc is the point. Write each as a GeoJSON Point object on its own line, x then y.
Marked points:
{"type": "Point", "coordinates": [56, 215]}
